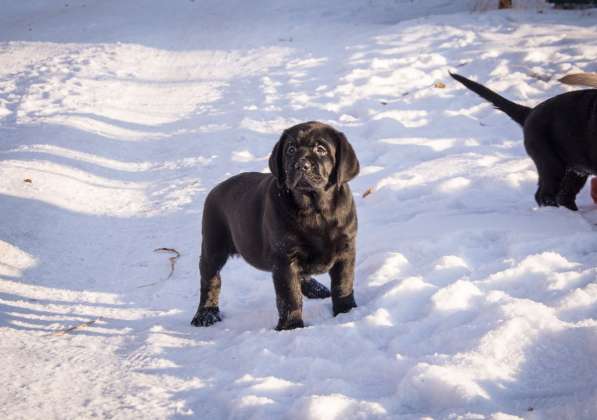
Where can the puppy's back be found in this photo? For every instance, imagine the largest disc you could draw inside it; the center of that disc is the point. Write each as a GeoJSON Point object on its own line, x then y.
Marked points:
{"type": "Point", "coordinates": [569, 117]}
{"type": "Point", "coordinates": [237, 206]}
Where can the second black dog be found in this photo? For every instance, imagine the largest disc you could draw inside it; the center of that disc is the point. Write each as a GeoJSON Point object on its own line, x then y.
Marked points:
{"type": "Point", "coordinates": [297, 221]}
{"type": "Point", "coordinates": [560, 135]}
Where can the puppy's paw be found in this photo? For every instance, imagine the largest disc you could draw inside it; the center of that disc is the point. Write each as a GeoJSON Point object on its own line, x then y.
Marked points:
{"type": "Point", "coordinates": [546, 200]}
{"type": "Point", "coordinates": [206, 317]}
{"type": "Point", "coordinates": [312, 289]}
{"type": "Point", "coordinates": [289, 324]}
{"type": "Point", "coordinates": [569, 204]}
{"type": "Point", "coordinates": [344, 304]}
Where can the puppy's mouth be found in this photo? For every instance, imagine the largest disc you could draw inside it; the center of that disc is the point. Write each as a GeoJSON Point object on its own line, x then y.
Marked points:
{"type": "Point", "coordinates": [300, 180]}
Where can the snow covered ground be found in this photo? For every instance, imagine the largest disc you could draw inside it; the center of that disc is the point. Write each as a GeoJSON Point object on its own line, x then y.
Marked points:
{"type": "Point", "coordinates": [473, 303]}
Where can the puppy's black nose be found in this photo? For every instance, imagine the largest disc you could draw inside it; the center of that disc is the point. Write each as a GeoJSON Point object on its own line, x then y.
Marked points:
{"type": "Point", "coordinates": [303, 164]}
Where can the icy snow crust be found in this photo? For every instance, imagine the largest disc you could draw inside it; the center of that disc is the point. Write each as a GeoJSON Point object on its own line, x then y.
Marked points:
{"type": "Point", "coordinates": [473, 303]}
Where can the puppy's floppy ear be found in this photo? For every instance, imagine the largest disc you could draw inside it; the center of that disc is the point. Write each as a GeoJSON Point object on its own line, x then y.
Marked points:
{"type": "Point", "coordinates": [276, 160]}
{"type": "Point", "coordinates": [347, 164]}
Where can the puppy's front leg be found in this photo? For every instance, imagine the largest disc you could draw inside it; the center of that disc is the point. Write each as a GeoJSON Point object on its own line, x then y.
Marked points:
{"type": "Point", "coordinates": [289, 299]}
{"type": "Point", "coordinates": [342, 275]}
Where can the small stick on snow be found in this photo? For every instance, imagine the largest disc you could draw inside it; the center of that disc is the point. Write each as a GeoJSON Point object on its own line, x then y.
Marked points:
{"type": "Point", "coordinates": [172, 259]}
{"type": "Point", "coordinates": [75, 327]}
{"type": "Point", "coordinates": [172, 264]}
{"type": "Point", "coordinates": [367, 192]}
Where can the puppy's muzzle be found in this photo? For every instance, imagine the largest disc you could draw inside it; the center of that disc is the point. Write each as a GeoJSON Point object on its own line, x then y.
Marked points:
{"type": "Point", "coordinates": [303, 165]}
{"type": "Point", "coordinates": [305, 174]}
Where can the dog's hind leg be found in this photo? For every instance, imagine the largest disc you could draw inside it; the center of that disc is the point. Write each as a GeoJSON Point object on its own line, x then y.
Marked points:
{"type": "Point", "coordinates": [549, 182]}
{"type": "Point", "coordinates": [215, 250]}
{"type": "Point", "coordinates": [571, 185]}
{"type": "Point", "coordinates": [208, 312]}
{"type": "Point", "coordinates": [312, 289]}
{"type": "Point", "coordinates": [550, 169]}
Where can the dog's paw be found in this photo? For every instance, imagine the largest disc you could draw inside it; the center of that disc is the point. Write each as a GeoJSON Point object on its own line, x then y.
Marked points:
{"type": "Point", "coordinates": [206, 317]}
{"type": "Point", "coordinates": [344, 304]}
{"type": "Point", "coordinates": [289, 324]}
{"type": "Point", "coordinates": [312, 289]}
{"type": "Point", "coordinates": [569, 204]}
{"type": "Point", "coordinates": [545, 200]}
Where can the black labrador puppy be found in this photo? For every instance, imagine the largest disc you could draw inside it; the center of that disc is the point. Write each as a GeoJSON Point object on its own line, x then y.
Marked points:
{"type": "Point", "coordinates": [297, 221]}
{"type": "Point", "coordinates": [560, 135]}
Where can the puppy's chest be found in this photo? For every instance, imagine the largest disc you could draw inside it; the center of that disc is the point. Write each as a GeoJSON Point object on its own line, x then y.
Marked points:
{"type": "Point", "coordinates": [317, 253]}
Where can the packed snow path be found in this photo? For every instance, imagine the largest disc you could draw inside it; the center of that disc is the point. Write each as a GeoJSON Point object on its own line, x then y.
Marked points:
{"type": "Point", "coordinates": [116, 118]}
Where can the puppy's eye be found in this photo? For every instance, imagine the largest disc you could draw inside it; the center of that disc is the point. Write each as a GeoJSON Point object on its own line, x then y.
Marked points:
{"type": "Point", "coordinates": [291, 150]}
{"type": "Point", "coordinates": [320, 150]}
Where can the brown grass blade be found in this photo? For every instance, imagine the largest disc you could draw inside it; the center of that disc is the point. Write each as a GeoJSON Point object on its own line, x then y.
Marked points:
{"type": "Point", "coordinates": [580, 79]}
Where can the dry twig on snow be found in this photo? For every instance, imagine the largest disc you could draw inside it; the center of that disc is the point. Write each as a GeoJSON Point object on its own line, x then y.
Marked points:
{"type": "Point", "coordinates": [172, 264]}
{"type": "Point", "coordinates": [172, 259]}
{"type": "Point", "coordinates": [74, 327]}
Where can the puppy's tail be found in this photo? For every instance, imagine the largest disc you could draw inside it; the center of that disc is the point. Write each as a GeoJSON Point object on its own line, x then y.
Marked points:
{"type": "Point", "coordinates": [518, 113]}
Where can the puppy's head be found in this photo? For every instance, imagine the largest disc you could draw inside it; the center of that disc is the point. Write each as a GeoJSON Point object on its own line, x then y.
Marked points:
{"type": "Point", "coordinates": [313, 156]}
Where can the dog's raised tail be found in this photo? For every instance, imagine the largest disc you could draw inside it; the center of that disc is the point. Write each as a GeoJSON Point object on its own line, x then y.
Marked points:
{"type": "Point", "coordinates": [518, 113]}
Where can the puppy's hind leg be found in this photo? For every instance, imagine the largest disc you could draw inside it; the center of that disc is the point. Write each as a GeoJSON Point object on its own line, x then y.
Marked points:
{"type": "Point", "coordinates": [208, 312]}
{"type": "Point", "coordinates": [312, 289]}
{"type": "Point", "coordinates": [549, 168]}
{"type": "Point", "coordinates": [215, 250]}
{"type": "Point", "coordinates": [569, 188]}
